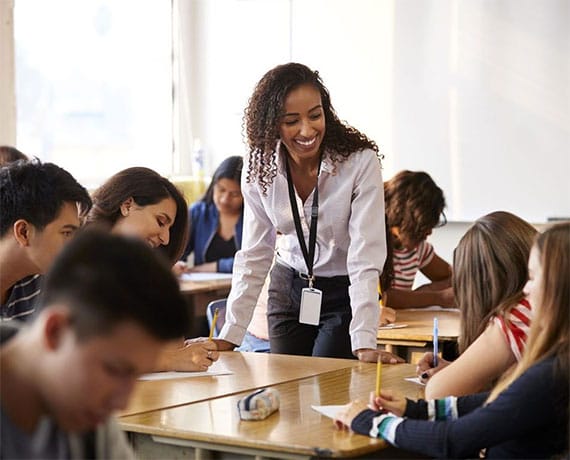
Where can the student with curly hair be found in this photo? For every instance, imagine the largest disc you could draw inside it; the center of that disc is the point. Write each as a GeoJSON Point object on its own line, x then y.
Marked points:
{"type": "Point", "coordinates": [414, 207]}
{"type": "Point", "coordinates": [315, 181]}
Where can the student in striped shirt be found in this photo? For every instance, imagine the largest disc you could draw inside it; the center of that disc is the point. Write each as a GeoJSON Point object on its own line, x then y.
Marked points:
{"type": "Point", "coordinates": [414, 207]}
{"type": "Point", "coordinates": [526, 413]}
{"type": "Point", "coordinates": [41, 208]}
{"type": "Point", "coordinates": [488, 279]}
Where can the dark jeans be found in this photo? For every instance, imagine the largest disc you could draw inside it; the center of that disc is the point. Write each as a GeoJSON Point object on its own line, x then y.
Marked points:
{"type": "Point", "coordinates": [286, 335]}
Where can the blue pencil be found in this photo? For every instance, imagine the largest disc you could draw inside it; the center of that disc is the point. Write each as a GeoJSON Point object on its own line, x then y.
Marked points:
{"type": "Point", "coordinates": [435, 342]}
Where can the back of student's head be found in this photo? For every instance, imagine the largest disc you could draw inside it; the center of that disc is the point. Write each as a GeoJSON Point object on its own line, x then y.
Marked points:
{"type": "Point", "coordinates": [550, 329]}
{"type": "Point", "coordinates": [414, 203]}
{"type": "Point", "coordinates": [230, 168]}
{"type": "Point", "coordinates": [145, 187]}
{"type": "Point", "coordinates": [107, 279]}
{"type": "Point", "coordinates": [490, 270]}
{"type": "Point", "coordinates": [36, 191]}
{"type": "Point", "coordinates": [10, 154]}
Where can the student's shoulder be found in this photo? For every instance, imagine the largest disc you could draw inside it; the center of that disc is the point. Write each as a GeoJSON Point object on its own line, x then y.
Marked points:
{"type": "Point", "coordinates": [201, 208]}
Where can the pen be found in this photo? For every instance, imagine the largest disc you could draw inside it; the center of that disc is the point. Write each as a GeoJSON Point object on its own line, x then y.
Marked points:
{"type": "Point", "coordinates": [214, 320]}
{"type": "Point", "coordinates": [378, 375]}
{"type": "Point", "coordinates": [435, 342]}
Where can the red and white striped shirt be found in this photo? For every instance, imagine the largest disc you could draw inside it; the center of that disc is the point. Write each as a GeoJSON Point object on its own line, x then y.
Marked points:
{"type": "Point", "coordinates": [407, 263]}
{"type": "Point", "coordinates": [516, 327]}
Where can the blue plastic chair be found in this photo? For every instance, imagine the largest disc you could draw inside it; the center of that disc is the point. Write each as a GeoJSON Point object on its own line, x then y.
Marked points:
{"type": "Point", "coordinates": [220, 304]}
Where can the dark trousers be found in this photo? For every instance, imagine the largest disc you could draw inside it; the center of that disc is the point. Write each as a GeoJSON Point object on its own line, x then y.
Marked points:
{"type": "Point", "coordinates": [286, 335]}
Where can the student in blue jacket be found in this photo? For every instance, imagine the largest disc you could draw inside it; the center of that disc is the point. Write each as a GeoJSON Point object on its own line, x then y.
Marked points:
{"type": "Point", "coordinates": [216, 221]}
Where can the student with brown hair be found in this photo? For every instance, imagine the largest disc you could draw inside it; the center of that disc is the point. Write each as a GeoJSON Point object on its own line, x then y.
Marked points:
{"type": "Point", "coordinates": [488, 279]}
{"type": "Point", "coordinates": [108, 305]}
{"type": "Point", "coordinates": [414, 207]}
{"type": "Point", "coordinates": [41, 208]}
{"type": "Point", "coordinates": [139, 202]}
{"type": "Point", "coordinates": [526, 413]}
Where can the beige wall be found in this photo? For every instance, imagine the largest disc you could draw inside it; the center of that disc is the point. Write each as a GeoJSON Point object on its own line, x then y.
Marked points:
{"type": "Point", "coordinates": [7, 81]}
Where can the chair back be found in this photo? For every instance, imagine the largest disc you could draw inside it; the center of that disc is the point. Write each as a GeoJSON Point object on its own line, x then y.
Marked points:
{"type": "Point", "coordinates": [220, 304]}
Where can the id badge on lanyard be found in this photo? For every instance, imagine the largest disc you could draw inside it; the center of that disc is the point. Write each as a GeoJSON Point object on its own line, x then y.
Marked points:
{"type": "Point", "coordinates": [310, 311]}
{"type": "Point", "coordinates": [311, 298]}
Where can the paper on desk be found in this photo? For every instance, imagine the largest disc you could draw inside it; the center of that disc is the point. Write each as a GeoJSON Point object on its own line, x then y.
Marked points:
{"type": "Point", "coordinates": [392, 326]}
{"type": "Point", "coordinates": [184, 375]}
{"type": "Point", "coordinates": [328, 411]}
{"type": "Point", "coordinates": [414, 380]}
{"type": "Point", "coordinates": [432, 308]}
{"type": "Point", "coordinates": [203, 276]}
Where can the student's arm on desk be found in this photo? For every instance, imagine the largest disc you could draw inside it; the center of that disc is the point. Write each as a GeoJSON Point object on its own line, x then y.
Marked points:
{"type": "Point", "coordinates": [475, 370]}
{"type": "Point", "coordinates": [397, 298]}
{"type": "Point", "coordinates": [438, 292]}
{"type": "Point", "coordinates": [188, 356]}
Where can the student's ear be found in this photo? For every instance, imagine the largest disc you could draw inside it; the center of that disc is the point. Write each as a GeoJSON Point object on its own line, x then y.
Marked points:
{"type": "Point", "coordinates": [56, 324]}
{"type": "Point", "coordinates": [23, 232]}
{"type": "Point", "coordinates": [126, 206]}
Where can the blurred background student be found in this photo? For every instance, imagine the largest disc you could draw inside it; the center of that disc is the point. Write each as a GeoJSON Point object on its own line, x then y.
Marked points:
{"type": "Point", "coordinates": [414, 207]}
{"type": "Point", "coordinates": [139, 202]}
{"type": "Point", "coordinates": [490, 272]}
{"type": "Point", "coordinates": [10, 154]}
{"type": "Point", "coordinates": [216, 221]}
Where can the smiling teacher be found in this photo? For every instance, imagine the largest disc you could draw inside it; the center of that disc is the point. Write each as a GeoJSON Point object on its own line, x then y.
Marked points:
{"type": "Point", "coordinates": [317, 182]}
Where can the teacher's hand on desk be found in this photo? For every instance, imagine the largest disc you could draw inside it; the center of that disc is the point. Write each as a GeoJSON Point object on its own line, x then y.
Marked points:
{"type": "Point", "coordinates": [190, 357]}
{"type": "Point", "coordinates": [369, 355]}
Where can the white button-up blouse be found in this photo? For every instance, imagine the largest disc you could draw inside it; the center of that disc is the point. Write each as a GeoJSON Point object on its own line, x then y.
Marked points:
{"type": "Point", "coordinates": [351, 240]}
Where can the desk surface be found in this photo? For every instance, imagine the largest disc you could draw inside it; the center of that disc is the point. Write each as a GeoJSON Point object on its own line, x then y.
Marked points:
{"type": "Point", "coordinates": [196, 287]}
{"type": "Point", "coordinates": [250, 371]}
{"type": "Point", "coordinates": [296, 428]}
{"type": "Point", "coordinates": [420, 326]}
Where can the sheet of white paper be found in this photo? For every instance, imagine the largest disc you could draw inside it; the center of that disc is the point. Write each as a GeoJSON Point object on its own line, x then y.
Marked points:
{"type": "Point", "coordinates": [184, 375]}
{"type": "Point", "coordinates": [392, 326]}
{"type": "Point", "coordinates": [205, 276]}
{"type": "Point", "coordinates": [414, 380]}
{"type": "Point", "coordinates": [328, 411]}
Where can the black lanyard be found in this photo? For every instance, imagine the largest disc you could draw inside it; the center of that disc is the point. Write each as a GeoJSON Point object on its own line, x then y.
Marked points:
{"type": "Point", "coordinates": [308, 255]}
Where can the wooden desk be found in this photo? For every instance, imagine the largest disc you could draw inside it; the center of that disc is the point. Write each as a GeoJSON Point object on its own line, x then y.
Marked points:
{"type": "Point", "coordinates": [419, 332]}
{"type": "Point", "coordinates": [295, 431]}
{"type": "Point", "coordinates": [250, 371]}
{"type": "Point", "coordinates": [198, 295]}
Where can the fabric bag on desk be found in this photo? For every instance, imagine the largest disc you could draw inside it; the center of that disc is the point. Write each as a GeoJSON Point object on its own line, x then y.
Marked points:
{"type": "Point", "coordinates": [258, 405]}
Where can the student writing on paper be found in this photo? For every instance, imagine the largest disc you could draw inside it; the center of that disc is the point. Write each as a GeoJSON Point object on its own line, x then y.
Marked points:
{"type": "Point", "coordinates": [305, 168]}
{"type": "Point", "coordinates": [489, 276]}
{"type": "Point", "coordinates": [526, 413]}
{"type": "Point", "coordinates": [414, 207]}
{"type": "Point", "coordinates": [41, 208]}
{"type": "Point", "coordinates": [95, 331]}
{"type": "Point", "coordinates": [216, 221]}
{"type": "Point", "coordinates": [140, 203]}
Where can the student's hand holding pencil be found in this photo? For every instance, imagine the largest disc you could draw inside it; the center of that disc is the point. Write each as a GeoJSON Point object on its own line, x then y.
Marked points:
{"type": "Point", "coordinates": [389, 401]}
{"type": "Point", "coordinates": [425, 369]}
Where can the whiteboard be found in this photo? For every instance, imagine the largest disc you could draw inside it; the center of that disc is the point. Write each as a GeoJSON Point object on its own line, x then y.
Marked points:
{"type": "Point", "coordinates": [481, 101]}
{"type": "Point", "coordinates": [476, 93]}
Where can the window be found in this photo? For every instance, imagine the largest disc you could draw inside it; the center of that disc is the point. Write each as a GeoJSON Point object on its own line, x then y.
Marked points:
{"type": "Point", "coordinates": [94, 84]}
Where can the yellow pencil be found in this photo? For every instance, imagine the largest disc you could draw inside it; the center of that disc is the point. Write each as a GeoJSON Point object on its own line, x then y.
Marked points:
{"type": "Point", "coordinates": [213, 326]}
{"type": "Point", "coordinates": [378, 375]}
{"type": "Point", "coordinates": [380, 293]}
